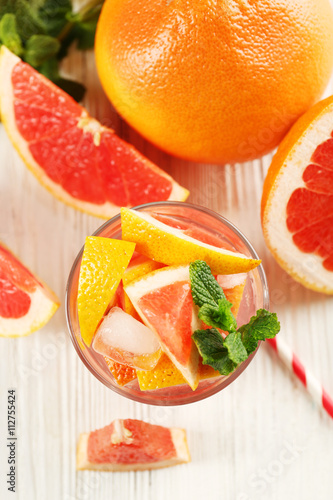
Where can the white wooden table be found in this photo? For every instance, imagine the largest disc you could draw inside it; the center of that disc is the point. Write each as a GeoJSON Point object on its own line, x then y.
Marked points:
{"type": "Point", "coordinates": [262, 438]}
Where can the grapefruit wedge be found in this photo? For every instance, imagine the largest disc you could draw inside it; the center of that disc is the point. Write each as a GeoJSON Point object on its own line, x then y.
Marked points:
{"type": "Point", "coordinates": [77, 159]}
{"type": "Point", "coordinates": [297, 201]}
{"type": "Point", "coordinates": [172, 246]}
{"type": "Point", "coordinates": [163, 300]}
{"type": "Point", "coordinates": [132, 445]}
{"type": "Point", "coordinates": [165, 374]}
{"type": "Point", "coordinates": [26, 304]}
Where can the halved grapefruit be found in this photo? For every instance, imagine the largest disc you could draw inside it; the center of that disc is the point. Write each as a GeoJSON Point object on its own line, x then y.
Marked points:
{"type": "Point", "coordinates": [26, 304]}
{"type": "Point", "coordinates": [132, 445]}
{"type": "Point", "coordinates": [297, 201]}
{"type": "Point", "coordinates": [77, 159]}
{"type": "Point", "coordinates": [171, 246]}
{"type": "Point", "coordinates": [163, 300]}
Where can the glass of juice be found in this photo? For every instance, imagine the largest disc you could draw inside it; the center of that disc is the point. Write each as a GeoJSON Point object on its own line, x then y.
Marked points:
{"type": "Point", "coordinates": [206, 226]}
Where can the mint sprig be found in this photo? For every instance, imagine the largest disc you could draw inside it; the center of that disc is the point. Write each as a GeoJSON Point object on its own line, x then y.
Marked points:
{"type": "Point", "coordinates": [41, 32]}
{"type": "Point", "coordinates": [215, 309]}
{"type": "Point", "coordinates": [225, 354]}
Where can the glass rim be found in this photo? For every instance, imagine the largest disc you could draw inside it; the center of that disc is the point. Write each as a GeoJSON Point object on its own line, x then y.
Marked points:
{"type": "Point", "coordinates": [139, 398]}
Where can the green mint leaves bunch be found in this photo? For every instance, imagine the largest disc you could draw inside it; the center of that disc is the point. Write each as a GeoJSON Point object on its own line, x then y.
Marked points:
{"type": "Point", "coordinates": [225, 354]}
{"type": "Point", "coordinates": [41, 32]}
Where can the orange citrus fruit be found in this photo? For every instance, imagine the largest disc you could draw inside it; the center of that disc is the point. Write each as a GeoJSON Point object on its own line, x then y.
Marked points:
{"type": "Point", "coordinates": [74, 156]}
{"type": "Point", "coordinates": [172, 246]}
{"type": "Point", "coordinates": [103, 263]}
{"type": "Point", "coordinates": [215, 81]}
{"type": "Point", "coordinates": [26, 304]}
{"type": "Point", "coordinates": [297, 201]}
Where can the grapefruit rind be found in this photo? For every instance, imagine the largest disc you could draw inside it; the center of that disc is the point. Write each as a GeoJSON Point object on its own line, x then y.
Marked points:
{"type": "Point", "coordinates": [103, 263]}
{"type": "Point", "coordinates": [44, 303]}
{"type": "Point", "coordinates": [171, 246]}
{"type": "Point", "coordinates": [141, 267]}
{"type": "Point", "coordinates": [283, 178]}
{"type": "Point", "coordinates": [154, 281]}
{"type": "Point", "coordinates": [107, 210]}
{"type": "Point", "coordinates": [181, 456]}
{"type": "Point", "coordinates": [165, 374]}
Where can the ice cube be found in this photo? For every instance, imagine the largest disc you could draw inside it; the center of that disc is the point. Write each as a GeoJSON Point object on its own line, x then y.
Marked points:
{"type": "Point", "coordinates": [126, 340]}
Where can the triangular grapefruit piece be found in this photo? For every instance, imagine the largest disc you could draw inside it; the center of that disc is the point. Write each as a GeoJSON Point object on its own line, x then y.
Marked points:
{"type": "Point", "coordinates": [165, 373]}
{"type": "Point", "coordinates": [26, 304]}
{"type": "Point", "coordinates": [130, 445]}
{"type": "Point", "coordinates": [80, 161]}
{"type": "Point", "coordinates": [163, 300]}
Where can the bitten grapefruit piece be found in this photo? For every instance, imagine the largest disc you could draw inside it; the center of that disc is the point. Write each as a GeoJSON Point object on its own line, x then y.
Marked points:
{"type": "Point", "coordinates": [297, 201]}
{"type": "Point", "coordinates": [77, 159]}
{"type": "Point", "coordinates": [26, 304]}
{"type": "Point", "coordinates": [132, 445]}
{"type": "Point", "coordinates": [103, 263]}
{"type": "Point", "coordinates": [165, 373]}
{"type": "Point", "coordinates": [163, 300]}
{"type": "Point", "coordinates": [171, 246]}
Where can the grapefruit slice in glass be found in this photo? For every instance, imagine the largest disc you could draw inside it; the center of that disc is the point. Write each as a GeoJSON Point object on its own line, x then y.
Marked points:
{"type": "Point", "coordinates": [163, 300]}
{"type": "Point", "coordinates": [297, 201]}
{"type": "Point", "coordinates": [103, 263]}
{"type": "Point", "coordinates": [74, 156]}
{"type": "Point", "coordinates": [172, 246]}
{"type": "Point", "coordinates": [165, 374]}
{"type": "Point", "coordinates": [26, 304]}
{"type": "Point", "coordinates": [131, 445]}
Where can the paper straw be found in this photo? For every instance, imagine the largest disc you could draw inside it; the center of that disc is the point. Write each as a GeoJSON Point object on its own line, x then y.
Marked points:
{"type": "Point", "coordinates": [309, 381]}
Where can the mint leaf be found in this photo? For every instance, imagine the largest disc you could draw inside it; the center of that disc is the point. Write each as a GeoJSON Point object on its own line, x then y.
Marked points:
{"type": "Point", "coordinates": [219, 316]}
{"type": "Point", "coordinates": [40, 48]}
{"type": "Point", "coordinates": [236, 350]}
{"type": "Point", "coordinates": [211, 347]}
{"type": "Point", "coordinates": [204, 287]}
{"type": "Point", "coordinates": [53, 14]}
{"type": "Point", "coordinates": [28, 21]}
{"type": "Point", "coordinates": [7, 6]}
{"type": "Point", "coordinates": [264, 325]}
{"type": "Point", "coordinates": [9, 35]}
{"type": "Point", "coordinates": [215, 309]}
{"type": "Point", "coordinates": [226, 354]}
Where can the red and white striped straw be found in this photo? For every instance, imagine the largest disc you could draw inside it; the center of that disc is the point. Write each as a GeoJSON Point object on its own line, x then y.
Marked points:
{"type": "Point", "coordinates": [309, 381]}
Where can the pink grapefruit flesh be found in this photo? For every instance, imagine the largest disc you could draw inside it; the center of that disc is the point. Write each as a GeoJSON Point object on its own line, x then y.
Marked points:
{"type": "Point", "coordinates": [80, 161]}
{"type": "Point", "coordinates": [25, 303]}
{"type": "Point", "coordinates": [128, 444]}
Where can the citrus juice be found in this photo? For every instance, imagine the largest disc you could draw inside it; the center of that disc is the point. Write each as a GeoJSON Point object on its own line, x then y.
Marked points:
{"type": "Point", "coordinates": [164, 385]}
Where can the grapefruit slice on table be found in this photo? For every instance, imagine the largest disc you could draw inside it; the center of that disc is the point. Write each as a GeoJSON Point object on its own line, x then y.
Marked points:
{"type": "Point", "coordinates": [103, 263]}
{"type": "Point", "coordinates": [171, 246]}
{"type": "Point", "coordinates": [164, 301]}
{"type": "Point", "coordinates": [77, 159]}
{"type": "Point", "coordinates": [25, 303]}
{"type": "Point", "coordinates": [165, 374]}
{"type": "Point", "coordinates": [297, 201]}
{"type": "Point", "coordinates": [132, 445]}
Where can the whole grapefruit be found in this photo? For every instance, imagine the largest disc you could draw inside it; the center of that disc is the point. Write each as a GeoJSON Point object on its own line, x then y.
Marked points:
{"type": "Point", "coordinates": [214, 80]}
